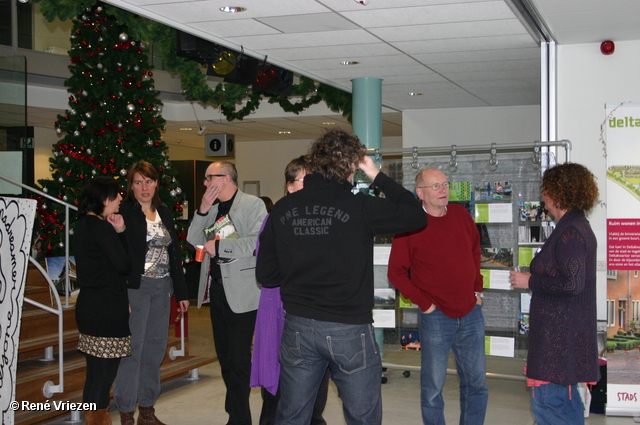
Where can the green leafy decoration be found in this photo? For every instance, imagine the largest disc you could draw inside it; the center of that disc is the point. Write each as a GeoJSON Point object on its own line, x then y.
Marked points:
{"type": "Point", "coordinates": [226, 96]}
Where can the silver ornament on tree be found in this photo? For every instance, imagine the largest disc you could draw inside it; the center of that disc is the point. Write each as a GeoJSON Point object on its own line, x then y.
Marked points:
{"type": "Point", "coordinates": [173, 193]}
{"type": "Point", "coordinates": [123, 36]}
{"type": "Point", "coordinates": [66, 159]}
{"type": "Point", "coordinates": [60, 180]}
{"type": "Point", "coordinates": [61, 245]}
{"type": "Point", "coordinates": [58, 131]}
{"type": "Point", "coordinates": [94, 172]}
{"type": "Point", "coordinates": [123, 172]}
{"type": "Point", "coordinates": [45, 190]}
{"type": "Point", "coordinates": [149, 142]}
{"type": "Point", "coordinates": [178, 190]}
{"type": "Point", "coordinates": [131, 107]}
{"type": "Point", "coordinates": [89, 151]}
{"type": "Point", "coordinates": [65, 198]}
{"type": "Point", "coordinates": [76, 133]}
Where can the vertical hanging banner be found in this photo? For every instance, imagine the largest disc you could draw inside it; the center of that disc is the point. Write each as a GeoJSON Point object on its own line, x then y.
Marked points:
{"type": "Point", "coordinates": [16, 226]}
{"type": "Point", "coordinates": [622, 128]}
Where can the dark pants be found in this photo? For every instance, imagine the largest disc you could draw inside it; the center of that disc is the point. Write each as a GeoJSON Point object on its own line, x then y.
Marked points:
{"type": "Point", "coordinates": [270, 403]}
{"type": "Point", "coordinates": [233, 336]}
{"type": "Point", "coordinates": [101, 373]}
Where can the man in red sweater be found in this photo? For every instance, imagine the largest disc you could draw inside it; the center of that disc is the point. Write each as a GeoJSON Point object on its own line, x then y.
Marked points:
{"type": "Point", "coordinates": [438, 268]}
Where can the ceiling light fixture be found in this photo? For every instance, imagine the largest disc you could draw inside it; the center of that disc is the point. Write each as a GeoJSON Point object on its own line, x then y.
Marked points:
{"type": "Point", "coordinates": [284, 132]}
{"type": "Point", "coordinates": [413, 93]}
{"type": "Point", "coordinates": [232, 9]}
{"type": "Point", "coordinates": [328, 123]}
{"type": "Point", "coordinates": [349, 63]}
{"type": "Point", "coordinates": [186, 128]}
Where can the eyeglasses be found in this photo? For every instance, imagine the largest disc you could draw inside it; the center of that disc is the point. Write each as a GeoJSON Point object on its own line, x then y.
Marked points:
{"type": "Point", "coordinates": [436, 186]}
{"type": "Point", "coordinates": [210, 177]}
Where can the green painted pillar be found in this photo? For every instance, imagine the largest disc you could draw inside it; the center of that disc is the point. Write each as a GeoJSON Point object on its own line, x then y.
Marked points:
{"type": "Point", "coordinates": [367, 111]}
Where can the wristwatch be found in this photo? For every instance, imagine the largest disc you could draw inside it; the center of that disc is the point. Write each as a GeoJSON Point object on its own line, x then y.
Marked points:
{"type": "Point", "coordinates": [479, 294]}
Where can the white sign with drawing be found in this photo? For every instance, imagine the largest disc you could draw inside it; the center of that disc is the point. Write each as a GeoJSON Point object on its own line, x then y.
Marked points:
{"type": "Point", "coordinates": [16, 218]}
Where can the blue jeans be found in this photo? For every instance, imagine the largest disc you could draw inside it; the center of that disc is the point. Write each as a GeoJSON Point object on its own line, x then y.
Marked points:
{"type": "Point", "coordinates": [439, 335]}
{"type": "Point", "coordinates": [552, 405]}
{"type": "Point", "coordinates": [308, 346]}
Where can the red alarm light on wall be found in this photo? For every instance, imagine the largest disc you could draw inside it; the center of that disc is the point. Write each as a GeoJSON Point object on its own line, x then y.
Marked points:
{"type": "Point", "coordinates": [607, 47]}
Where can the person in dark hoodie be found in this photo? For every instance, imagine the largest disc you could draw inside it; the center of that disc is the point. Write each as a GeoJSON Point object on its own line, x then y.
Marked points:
{"type": "Point", "coordinates": [318, 246]}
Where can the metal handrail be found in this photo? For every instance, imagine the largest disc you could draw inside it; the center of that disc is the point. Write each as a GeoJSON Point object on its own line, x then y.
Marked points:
{"type": "Point", "coordinates": [473, 149]}
{"type": "Point", "coordinates": [67, 207]}
{"type": "Point", "coordinates": [50, 388]}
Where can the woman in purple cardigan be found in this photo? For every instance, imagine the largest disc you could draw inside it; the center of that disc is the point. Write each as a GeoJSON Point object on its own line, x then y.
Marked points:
{"type": "Point", "coordinates": [563, 349]}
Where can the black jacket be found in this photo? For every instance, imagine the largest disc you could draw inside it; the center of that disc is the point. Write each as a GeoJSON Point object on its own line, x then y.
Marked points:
{"type": "Point", "coordinates": [136, 233]}
{"type": "Point", "coordinates": [318, 246]}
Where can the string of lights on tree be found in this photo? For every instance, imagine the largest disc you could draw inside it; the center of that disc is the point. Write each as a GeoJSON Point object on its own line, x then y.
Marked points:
{"type": "Point", "coordinates": [113, 120]}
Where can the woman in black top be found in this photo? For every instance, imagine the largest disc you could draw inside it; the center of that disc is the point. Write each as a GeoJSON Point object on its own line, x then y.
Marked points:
{"type": "Point", "coordinates": [156, 273]}
{"type": "Point", "coordinates": [102, 309]}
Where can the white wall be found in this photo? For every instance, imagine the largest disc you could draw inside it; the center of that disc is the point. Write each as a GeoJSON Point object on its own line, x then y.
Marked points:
{"type": "Point", "coordinates": [265, 162]}
{"type": "Point", "coordinates": [43, 141]}
{"type": "Point", "coordinates": [470, 126]}
{"type": "Point", "coordinates": [587, 80]}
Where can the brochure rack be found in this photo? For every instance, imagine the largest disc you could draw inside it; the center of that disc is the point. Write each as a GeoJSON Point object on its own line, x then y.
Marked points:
{"type": "Point", "coordinates": [500, 186]}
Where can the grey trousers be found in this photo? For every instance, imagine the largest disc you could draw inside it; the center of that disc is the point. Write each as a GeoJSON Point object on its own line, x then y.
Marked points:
{"type": "Point", "coordinates": [138, 379]}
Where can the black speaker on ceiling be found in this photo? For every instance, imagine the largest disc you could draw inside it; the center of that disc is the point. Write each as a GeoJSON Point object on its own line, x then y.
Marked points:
{"type": "Point", "coordinates": [219, 145]}
{"type": "Point", "coordinates": [195, 48]}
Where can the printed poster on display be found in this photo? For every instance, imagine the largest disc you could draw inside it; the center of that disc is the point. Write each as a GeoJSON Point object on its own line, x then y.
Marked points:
{"type": "Point", "coordinates": [622, 131]}
{"type": "Point", "coordinates": [16, 216]}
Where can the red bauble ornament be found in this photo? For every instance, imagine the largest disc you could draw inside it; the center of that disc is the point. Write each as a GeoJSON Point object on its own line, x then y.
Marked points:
{"type": "Point", "coordinates": [140, 101]}
{"type": "Point", "coordinates": [68, 173]}
{"type": "Point", "coordinates": [266, 78]}
{"type": "Point", "coordinates": [150, 73]}
{"type": "Point", "coordinates": [49, 247]}
{"type": "Point", "coordinates": [607, 47]}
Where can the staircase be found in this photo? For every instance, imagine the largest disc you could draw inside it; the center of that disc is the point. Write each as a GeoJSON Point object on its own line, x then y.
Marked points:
{"type": "Point", "coordinates": [37, 364]}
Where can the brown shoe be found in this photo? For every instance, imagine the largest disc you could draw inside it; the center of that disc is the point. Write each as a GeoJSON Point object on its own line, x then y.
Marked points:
{"type": "Point", "coordinates": [97, 417]}
{"type": "Point", "coordinates": [147, 416]}
{"type": "Point", "coordinates": [127, 418]}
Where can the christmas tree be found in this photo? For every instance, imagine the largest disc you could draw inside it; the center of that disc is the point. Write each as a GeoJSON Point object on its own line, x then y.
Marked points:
{"type": "Point", "coordinates": [113, 120]}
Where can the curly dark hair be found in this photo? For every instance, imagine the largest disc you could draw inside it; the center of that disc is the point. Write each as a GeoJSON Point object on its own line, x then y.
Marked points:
{"type": "Point", "coordinates": [571, 186]}
{"type": "Point", "coordinates": [334, 154]}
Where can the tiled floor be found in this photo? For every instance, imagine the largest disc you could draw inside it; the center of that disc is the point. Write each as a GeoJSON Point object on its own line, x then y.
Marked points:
{"type": "Point", "coordinates": [186, 402]}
